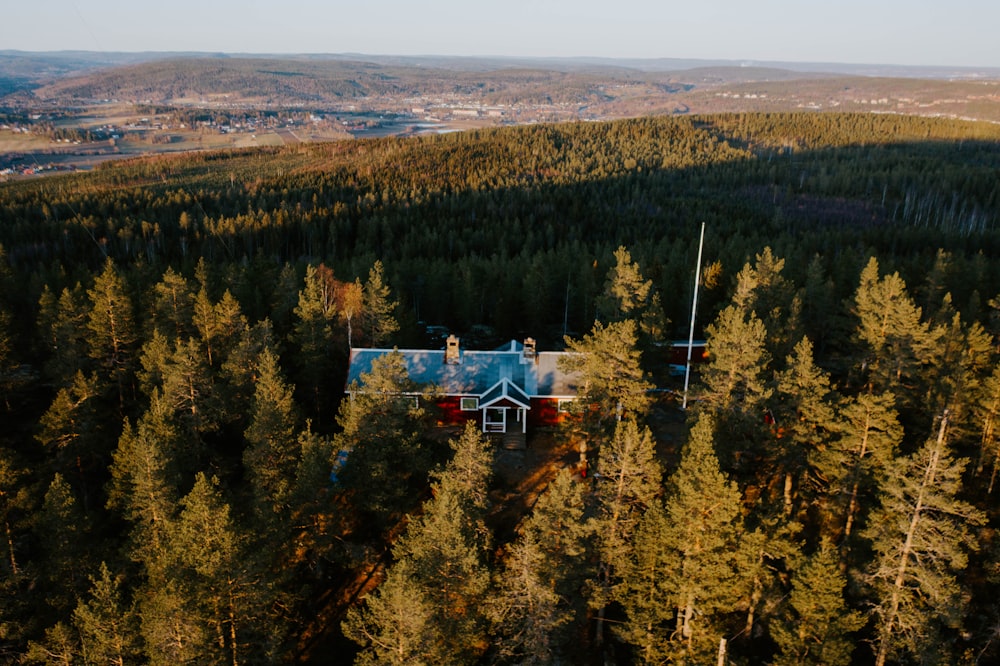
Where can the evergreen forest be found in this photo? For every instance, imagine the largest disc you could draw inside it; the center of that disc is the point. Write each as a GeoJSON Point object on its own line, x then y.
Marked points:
{"type": "Point", "coordinates": [181, 481]}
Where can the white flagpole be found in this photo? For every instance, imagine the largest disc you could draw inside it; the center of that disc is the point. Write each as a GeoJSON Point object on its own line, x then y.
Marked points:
{"type": "Point", "coordinates": [694, 308]}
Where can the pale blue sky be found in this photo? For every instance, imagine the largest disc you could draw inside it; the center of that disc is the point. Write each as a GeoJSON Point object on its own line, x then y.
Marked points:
{"type": "Point", "coordinates": [899, 32]}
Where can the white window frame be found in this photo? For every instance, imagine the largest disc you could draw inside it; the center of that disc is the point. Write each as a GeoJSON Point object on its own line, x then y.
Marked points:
{"type": "Point", "coordinates": [565, 405]}
{"type": "Point", "coordinates": [463, 402]}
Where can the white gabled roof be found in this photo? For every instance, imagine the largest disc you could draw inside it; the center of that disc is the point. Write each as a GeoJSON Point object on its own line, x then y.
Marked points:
{"type": "Point", "coordinates": [505, 390]}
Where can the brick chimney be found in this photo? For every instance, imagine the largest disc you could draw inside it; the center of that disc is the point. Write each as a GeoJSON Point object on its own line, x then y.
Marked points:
{"type": "Point", "coordinates": [452, 355]}
{"type": "Point", "coordinates": [529, 354]}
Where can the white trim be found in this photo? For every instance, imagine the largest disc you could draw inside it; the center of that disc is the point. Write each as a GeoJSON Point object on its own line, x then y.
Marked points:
{"type": "Point", "coordinates": [475, 403]}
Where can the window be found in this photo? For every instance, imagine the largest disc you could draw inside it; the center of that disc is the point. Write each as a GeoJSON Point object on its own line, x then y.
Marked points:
{"type": "Point", "coordinates": [567, 405]}
{"type": "Point", "coordinates": [469, 404]}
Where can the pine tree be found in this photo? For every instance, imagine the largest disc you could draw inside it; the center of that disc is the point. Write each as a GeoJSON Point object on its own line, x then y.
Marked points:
{"type": "Point", "coordinates": [441, 558]}
{"type": "Point", "coordinates": [62, 326]}
{"type": "Point", "coordinates": [395, 625]}
{"type": "Point", "coordinates": [313, 334]}
{"type": "Point", "coordinates": [70, 423]}
{"type": "Point", "coordinates": [890, 326]}
{"type": "Point", "coordinates": [189, 390]}
{"type": "Point", "coordinates": [173, 306]}
{"type": "Point", "coordinates": [920, 536]}
{"type": "Point", "coordinates": [987, 419]}
{"type": "Point", "coordinates": [380, 431]}
{"type": "Point", "coordinates": [143, 485]}
{"type": "Point", "coordinates": [112, 328]}
{"type": "Point", "coordinates": [761, 289]}
{"type": "Point", "coordinates": [447, 546]}
{"type": "Point", "coordinates": [734, 381]}
{"type": "Point", "coordinates": [607, 361]}
{"type": "Point", "coordinates": [526, 611]}
{"type": "Point", "coordinates": [172, 631]}
{"type": "Point", "coordinates": [6, 351]}
{"type": "Point", "coordinates": [240, 369]}
{"type": "Point", "coordinates": [538, 611]}
{"type": "Point", "coordinates": [271, 456]}
{"type": "Point", "coordinates": [379, 308]}
{"type": "Point", "coordinates": [629, 478]}
{"type": "Point", "coordinates": [956, 364]}
{"type": "Point", "coordinates": [705, 531]}
{"type": "Point", "coordinates": [857, 458]}
{"type": "Point", "coordinates": [63, 528]}
{"type": "Point", "coordinates": [220, 325]}
{"type": "Point", "coordinates": [59, 647]}
{"type": "Point", "coordinates": [216, 574]}
{"type": "Point", "coordinates": [626, 292]}
{"type": "Point", "coordinates": [311, 492]}
{"type": "Point", "coordinates": [15, 502]}
{"type": "Point", "coordinates": [108, 626]}
{"type": "Point", "coordinates": [816, 625]}
{"type": "Point", "coordinates": [803, 414]}
{"type": "Point", "coordinates": [646, 592]}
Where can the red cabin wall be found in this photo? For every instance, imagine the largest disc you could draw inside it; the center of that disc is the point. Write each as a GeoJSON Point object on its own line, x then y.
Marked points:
{"type": "Point", "coordinates": [450, 411]}
{"type": "Point", "coordinates": [545, 412]}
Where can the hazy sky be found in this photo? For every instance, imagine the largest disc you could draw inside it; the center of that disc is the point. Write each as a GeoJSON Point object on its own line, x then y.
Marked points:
{"type": "Point", "coordinates": [906, 32]}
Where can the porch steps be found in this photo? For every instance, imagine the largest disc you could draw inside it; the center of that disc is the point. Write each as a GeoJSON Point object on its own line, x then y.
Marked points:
{"type": "Point", "coordinates": [514, 441]}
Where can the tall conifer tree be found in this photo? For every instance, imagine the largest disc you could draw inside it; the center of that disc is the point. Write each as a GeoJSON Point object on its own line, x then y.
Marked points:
{"type": "Point", "coordinates": [921, 538]}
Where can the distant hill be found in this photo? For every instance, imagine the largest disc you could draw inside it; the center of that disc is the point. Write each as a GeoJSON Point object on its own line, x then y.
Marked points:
{"type": "Point", "coordinates": [500, 90]}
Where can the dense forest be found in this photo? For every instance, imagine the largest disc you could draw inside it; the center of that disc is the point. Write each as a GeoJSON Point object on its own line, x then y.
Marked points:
{"type": "Point", "coordinates": [180, 481]}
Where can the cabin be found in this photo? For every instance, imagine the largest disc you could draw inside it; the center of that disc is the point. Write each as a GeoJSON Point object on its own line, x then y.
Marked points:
{"type": "Point", "coordinates": [506, 389]}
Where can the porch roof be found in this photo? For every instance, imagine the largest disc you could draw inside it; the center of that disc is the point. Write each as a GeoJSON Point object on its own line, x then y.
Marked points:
{"type": "Point", "coordinates": [504, 390]}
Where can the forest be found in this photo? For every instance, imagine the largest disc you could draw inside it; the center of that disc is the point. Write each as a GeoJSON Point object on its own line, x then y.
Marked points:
{"type": "Point", "coordinates": [181, 482]}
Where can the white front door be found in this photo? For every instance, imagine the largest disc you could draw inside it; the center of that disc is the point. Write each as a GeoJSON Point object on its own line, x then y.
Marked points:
{"type": "Point", "coordinates": [495, 419]}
